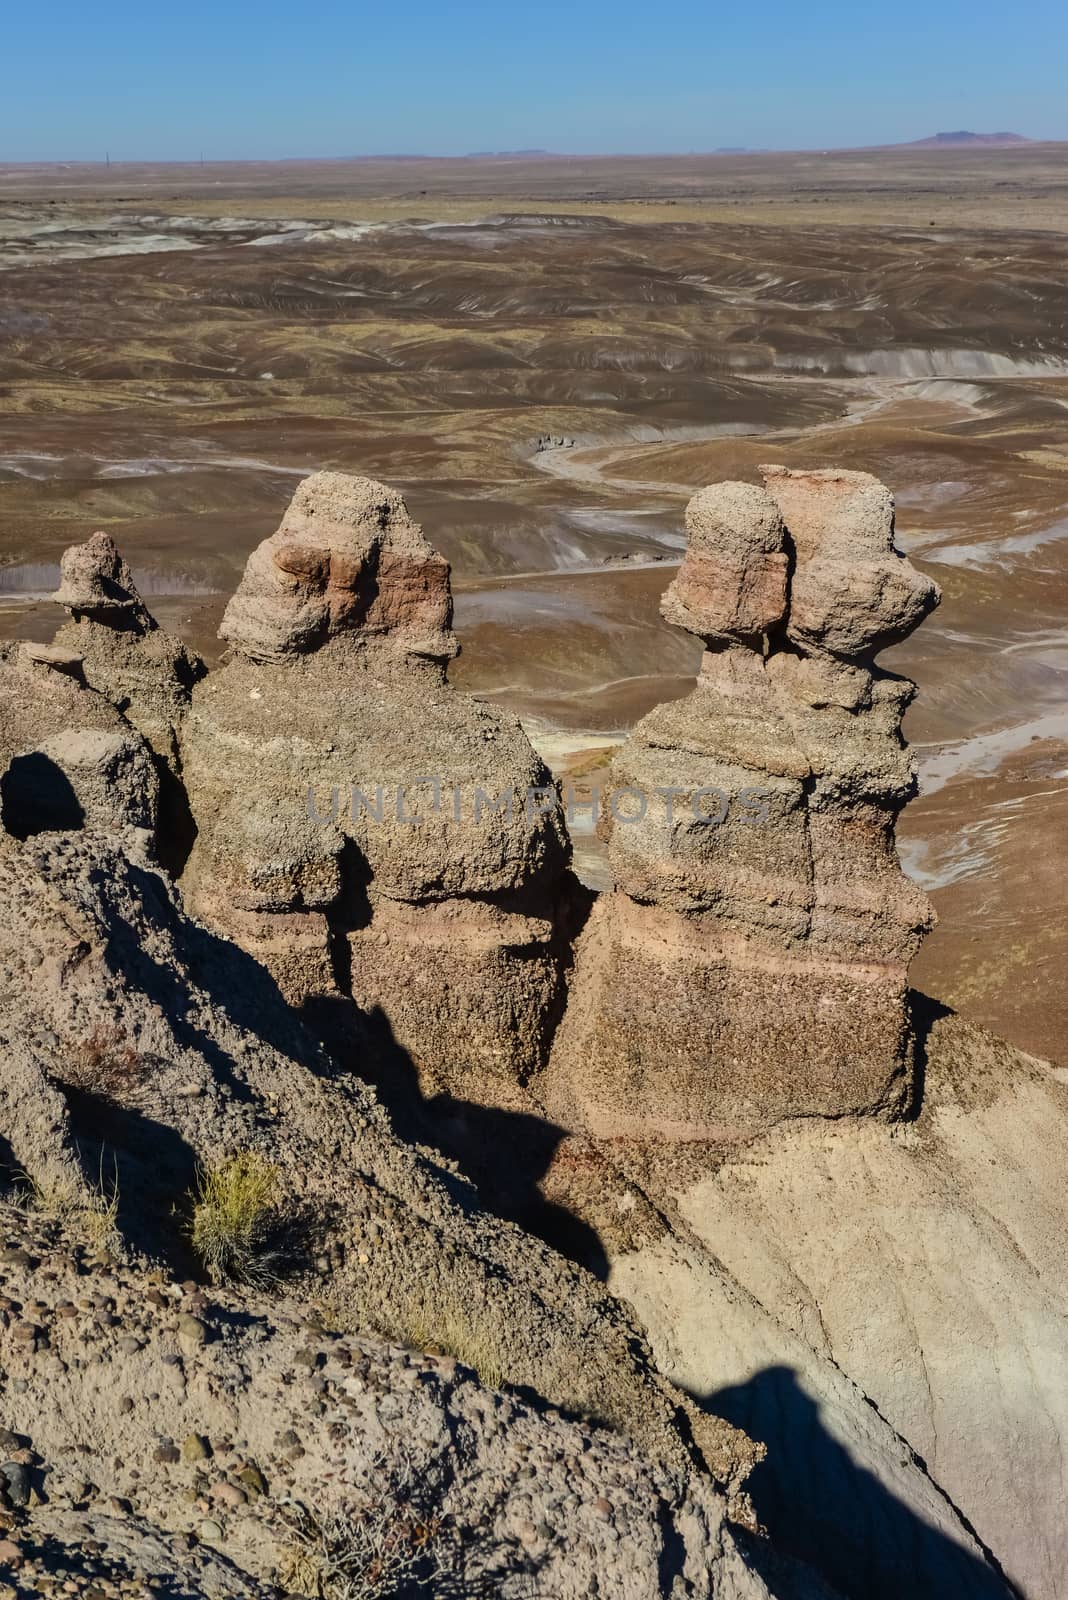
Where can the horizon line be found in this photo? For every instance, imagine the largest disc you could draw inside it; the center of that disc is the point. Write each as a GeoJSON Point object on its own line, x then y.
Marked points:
{"type": "Point", "coordinates": [931, 142]}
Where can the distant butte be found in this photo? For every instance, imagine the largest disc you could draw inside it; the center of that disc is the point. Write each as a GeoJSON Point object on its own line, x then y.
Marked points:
{"type": "Point", "coordinates": [938, 141]}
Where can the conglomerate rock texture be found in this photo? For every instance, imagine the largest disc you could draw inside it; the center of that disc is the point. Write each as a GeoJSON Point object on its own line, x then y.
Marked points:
{"type": "Point", "coordinates": [752, 962]}
{"type": "Point", "coordinates": [215, 1441]}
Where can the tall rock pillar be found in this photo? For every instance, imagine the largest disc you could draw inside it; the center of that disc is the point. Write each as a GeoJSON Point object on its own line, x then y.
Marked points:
{"type": "Point", "coordinates": [751, 963]}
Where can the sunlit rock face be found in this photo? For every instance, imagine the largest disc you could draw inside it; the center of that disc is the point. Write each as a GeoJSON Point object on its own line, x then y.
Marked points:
{"type": "Point", "coordinates": [751, 963]}
{"type": "Point", "coordinates": [346, 559]}
{"type": "Point", "coordinates": [334, 778]}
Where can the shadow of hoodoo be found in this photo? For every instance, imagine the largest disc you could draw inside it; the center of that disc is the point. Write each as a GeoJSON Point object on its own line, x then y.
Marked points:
{"type": "Point", "coordinates": [503, 1153]}
{"type": "Point", "coordinates": [37, 796]}
{"type": "Point", "coordinates": [821, 1507]}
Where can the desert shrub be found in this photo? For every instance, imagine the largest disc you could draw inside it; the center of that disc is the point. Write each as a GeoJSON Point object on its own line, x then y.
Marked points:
{"type": "Point", "coordinates": [104, 1063]}
{"type": "Point", "coordinates": [392, 1540]}
{"type": "Point", "coordinates": [236, 1219]}
{"type": "Point", "coordinates": [369, 1553]}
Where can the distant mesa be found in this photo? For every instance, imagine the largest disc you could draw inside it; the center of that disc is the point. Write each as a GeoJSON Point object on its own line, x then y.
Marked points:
{"type": "Point", "coordinates": [937, 141]}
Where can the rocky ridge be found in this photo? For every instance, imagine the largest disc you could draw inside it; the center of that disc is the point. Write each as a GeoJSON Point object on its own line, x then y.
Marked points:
{"type": "Point", "coordinates": [240, 1435]}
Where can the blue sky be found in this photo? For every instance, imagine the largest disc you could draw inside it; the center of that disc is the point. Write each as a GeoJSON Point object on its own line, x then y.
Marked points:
{"type": "Point", "coordinates": [236, 80]}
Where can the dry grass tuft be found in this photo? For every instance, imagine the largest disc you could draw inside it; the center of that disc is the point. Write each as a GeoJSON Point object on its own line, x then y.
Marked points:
{"type": "Point", "coordinates": [452, 1330]}
{"type": "Point", "coordinates": [235, 1219]}
{"type": "Point", "coordinates": [91, 1213]}
{"type": "Point", "coordinates": [442, 1327]}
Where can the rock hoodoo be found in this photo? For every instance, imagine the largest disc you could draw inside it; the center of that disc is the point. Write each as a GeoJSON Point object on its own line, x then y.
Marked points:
{"type": "Point", "coordinates": [749, 967]}
{"type": "Point", "coordinates": [347, 558]}
{"type": "Point", "coordinates": [364, 829]}
{"type": "Point", "coordinates": [144, 671]}
{"type": "Point", "coordinates": [752, 962]}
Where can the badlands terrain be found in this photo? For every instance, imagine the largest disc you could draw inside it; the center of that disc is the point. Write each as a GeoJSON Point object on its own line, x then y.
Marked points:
{"type": "Point", "coordinates": [673, 1240]}
{"type": "Point", "coordinates": [178, 346]}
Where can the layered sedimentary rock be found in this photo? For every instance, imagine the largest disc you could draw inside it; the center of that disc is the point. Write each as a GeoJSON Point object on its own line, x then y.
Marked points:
{"type": "Point", "coordinates": [924, 1267]}
{"type": "Point", "coordinates": [752, 962]}
{"type": "Point", "coordinates": [363, 829]}
{"type": "Point", "coordinates": [144, 671]}
{"type": "Point", "coordinates": [346, 558]}
{"type": "Point", "coordinates": [67, 756]}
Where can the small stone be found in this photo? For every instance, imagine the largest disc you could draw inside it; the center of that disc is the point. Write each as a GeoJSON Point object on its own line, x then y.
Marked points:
{"type": "Point", "coordinates": [253, 1479]}
{"type": "Point", "coordinates": [195, 1448]}
{"type": "Point", "coordinates": [10, 1553]}
{"type": "Point", "coordinates": [228, 1494]}
{"type": "Point", "coordinates": [191, 1332]}
{"type": "Point", "coordinates": [210, 1530]}
{"type": "Point", "coordinates": [167, 1454]}
{"type": "Point", "coordinates": [18, 1482]}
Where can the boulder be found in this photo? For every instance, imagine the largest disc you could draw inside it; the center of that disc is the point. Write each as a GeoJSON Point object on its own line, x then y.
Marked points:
{"type": "Point", "coordinates": [732, 584]}
{"type": "Point", "coordinates": [852, 592]}
{"type": "Point", "coordinates": [67, 757]}
{"type": "Point", "coordinates": [347, 558]}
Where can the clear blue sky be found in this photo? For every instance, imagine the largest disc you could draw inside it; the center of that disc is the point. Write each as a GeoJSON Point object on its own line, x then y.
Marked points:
{"type": "Point", "coordinates": [234, 79]}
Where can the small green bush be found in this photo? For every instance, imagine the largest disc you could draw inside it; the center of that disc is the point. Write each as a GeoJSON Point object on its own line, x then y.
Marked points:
{"type": "Point", "coordinates": [236, 1218]}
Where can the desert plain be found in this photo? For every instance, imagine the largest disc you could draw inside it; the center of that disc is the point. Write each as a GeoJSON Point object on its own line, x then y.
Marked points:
{"type": "Point", "coordinates": [547, 356]}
